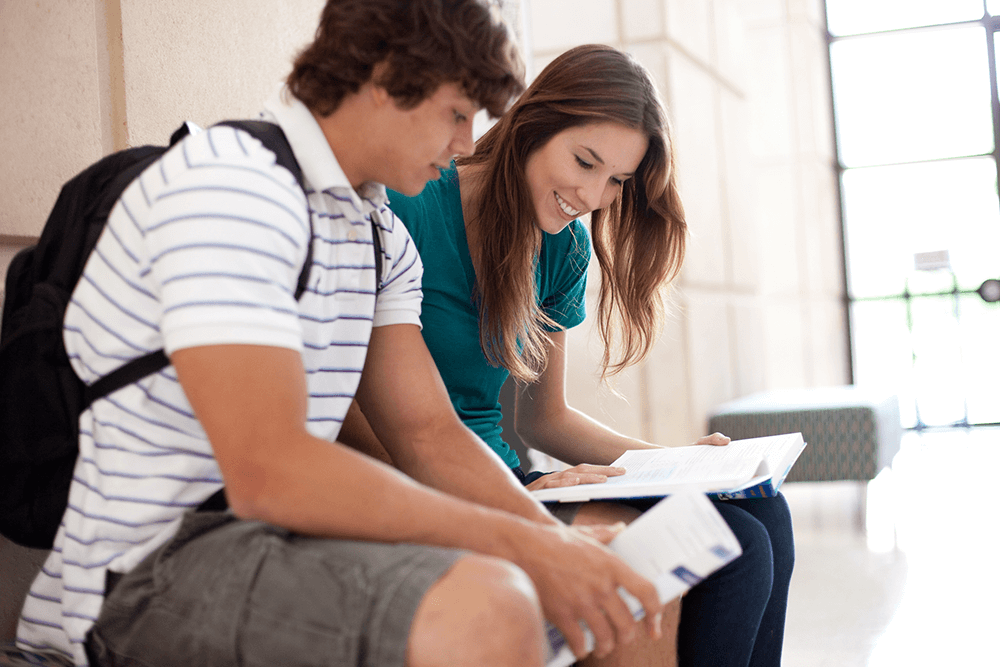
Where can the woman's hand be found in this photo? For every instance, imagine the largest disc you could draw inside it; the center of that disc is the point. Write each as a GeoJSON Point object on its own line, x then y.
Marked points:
{"type": "Point", "coordinates": [714, 439]}
{"type": "Point", "coordinates": [581, 474]}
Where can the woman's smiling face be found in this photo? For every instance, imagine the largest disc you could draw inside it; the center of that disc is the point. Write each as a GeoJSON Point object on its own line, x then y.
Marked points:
{"type": "Point", "coordinates": [581, 170]}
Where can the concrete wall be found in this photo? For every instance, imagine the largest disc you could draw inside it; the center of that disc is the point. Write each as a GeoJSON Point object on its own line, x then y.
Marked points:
{"type": "Point", "coordinates": [760, 301]}
{"type": "Point", "coordinates": [82, 78]}
{"type": "Point", "coordinates": [759, 304]}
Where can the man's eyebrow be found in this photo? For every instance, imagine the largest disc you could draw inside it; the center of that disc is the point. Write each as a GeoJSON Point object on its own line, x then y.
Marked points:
{"type": "Point", "coordinates": [597, 157]}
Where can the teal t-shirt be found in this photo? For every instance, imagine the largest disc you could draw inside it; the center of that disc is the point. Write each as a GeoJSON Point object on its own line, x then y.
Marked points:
{"type": "Point", "coordinates": [449, 316]}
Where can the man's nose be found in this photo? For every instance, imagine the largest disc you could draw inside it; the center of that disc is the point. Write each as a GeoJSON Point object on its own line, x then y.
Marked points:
{"type": "Point", "coordinates": [462, 143]}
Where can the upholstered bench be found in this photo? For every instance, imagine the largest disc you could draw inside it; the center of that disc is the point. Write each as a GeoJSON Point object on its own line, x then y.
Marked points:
{"type": "Point", "coordinates": [11, 656]}
{"type": "Point", "coordinates": [852, 433]}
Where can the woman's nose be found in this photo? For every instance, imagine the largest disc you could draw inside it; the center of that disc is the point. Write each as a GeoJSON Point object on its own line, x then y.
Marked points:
{"type": "Point", "coordinates": [592, 195]}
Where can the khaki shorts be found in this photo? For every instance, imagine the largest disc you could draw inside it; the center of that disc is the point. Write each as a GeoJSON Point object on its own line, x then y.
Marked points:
{"type": "Point", "coordinates": [226, 592]}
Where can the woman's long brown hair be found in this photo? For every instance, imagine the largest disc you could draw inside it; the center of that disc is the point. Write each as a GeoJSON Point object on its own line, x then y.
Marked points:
{"type": "Point", "coordinates": [639, 240]}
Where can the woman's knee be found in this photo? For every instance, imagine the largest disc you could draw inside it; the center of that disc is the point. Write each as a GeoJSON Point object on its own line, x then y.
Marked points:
{"type": "Point", "coordinates": [754, 569]}
{"type": "Point", "coordinates": [782, 538]}
{"type": "Point", "coordinates": [775, 516]}
{"type": "Point", "coordinates": [483, 611]}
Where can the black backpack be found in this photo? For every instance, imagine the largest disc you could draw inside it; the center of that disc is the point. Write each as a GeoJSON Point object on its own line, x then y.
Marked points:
{"type": "Point", "coordinates": [41, 396]}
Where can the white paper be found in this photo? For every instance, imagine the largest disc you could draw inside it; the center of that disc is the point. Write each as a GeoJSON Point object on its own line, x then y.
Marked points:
{"type": "Point", "coordinates": [707, 468]}
{"type": "Point", "coordinates": [675, 544]}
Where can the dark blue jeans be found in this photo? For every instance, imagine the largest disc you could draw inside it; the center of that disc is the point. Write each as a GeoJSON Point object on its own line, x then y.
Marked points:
{"type": "Point", "coordinates": [737, 616]}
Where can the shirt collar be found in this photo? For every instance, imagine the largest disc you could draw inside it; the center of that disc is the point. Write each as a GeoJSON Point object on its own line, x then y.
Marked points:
{"type": "Point", "coordinates": [313, 153]}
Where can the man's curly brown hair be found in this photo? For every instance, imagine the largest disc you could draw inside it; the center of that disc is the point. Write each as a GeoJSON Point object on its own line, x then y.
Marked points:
{"type": "Point", "coordinates": [422, 43]}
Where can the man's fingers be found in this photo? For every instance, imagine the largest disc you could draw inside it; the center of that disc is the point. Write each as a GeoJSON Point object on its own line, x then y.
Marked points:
{"type": "Point", "coordinates": [650, 600]}
{"type": "Point", "coordinates": [604, 634]}
{"type": "Point", "coordinates": [572, 632]}
{"type": "Point", "coordinates": [654, 625]}
{"type": "Point", "coordinates": [620, 617]}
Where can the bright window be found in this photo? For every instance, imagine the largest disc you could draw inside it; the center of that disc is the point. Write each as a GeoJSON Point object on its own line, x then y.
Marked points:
{"type": "Point", "coordinates": [913, 102]}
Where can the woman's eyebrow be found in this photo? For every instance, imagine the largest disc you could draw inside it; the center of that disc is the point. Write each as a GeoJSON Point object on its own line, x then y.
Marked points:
{"type": "Point", "coordinates": [597, 157]}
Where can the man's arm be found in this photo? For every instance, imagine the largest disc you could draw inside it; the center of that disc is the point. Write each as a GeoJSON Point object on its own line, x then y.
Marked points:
{"type": "Point", "coordinates": [357, 433]}
{"type": "Point", "coordinates": [427, 440]}
{"type": "Point", "coordinates": [252, 403]}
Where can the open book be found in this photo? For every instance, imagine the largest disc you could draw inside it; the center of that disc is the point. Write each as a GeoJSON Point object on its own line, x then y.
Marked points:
{"type": "Point", "coordinates": [675, 544]}
{"type": "Point", "coordinates": [751, 468]}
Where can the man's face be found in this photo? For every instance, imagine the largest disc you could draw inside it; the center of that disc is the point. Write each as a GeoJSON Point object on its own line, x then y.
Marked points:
{"type": "Point", "coordinates": [419, 142]}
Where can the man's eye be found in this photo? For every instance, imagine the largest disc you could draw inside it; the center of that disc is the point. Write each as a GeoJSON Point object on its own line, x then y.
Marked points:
{"type": "Point", "coordinates": [460, 117]}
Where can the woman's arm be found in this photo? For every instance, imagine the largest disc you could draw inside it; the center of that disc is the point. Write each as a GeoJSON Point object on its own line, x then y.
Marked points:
{"type": "Point", "coordinates": [546, 422]}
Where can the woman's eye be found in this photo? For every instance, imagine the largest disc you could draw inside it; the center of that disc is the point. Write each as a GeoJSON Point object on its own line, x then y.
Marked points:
{"type": "Point", "coordinates": [583, 163]}
{"type": "Point", "coordinates": [617, 181]}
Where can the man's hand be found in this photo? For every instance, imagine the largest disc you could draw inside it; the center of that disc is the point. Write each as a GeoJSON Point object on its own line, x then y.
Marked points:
{"type": "Point", "coordinates": [581, 474]}
{"type": "Point", "coordinates": [577, 579]}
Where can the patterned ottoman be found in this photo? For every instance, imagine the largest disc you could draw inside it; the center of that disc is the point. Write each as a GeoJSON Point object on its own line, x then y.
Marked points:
{"type": "Point", "coordinates": [851, 433]}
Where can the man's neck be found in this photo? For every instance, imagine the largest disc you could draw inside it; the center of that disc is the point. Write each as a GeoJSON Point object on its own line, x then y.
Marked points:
{"type": "Point", "coordinates": [347, 131]}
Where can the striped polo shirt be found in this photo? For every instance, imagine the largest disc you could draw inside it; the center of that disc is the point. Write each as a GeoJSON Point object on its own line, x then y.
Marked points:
{"type": "Point", "coordinates": [205, 248]}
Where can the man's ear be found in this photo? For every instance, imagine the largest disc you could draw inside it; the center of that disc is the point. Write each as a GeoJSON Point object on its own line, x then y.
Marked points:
{"type": "Point", "coordinates": [380, 96]}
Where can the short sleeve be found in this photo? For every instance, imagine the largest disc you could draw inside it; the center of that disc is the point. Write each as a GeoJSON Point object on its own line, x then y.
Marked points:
{"type": "Point", "coordinates": [400, 291]}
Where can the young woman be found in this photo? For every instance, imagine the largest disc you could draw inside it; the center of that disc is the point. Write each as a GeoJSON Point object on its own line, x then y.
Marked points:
{"type": "Point", "coordinates": [505, 264]}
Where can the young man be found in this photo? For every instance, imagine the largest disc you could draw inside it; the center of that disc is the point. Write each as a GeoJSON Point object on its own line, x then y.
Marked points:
{"type": "Point", "coordinates": [328, 556]}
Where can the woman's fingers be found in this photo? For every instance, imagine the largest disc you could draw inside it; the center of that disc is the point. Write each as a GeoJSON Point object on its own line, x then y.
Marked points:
{"type": "Point", "coordinates": [581, 474]}
{"type": "Point", "coordinates": [713, 439]}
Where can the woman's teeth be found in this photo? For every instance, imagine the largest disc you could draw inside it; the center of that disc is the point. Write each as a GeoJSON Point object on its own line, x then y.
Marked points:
{"type": "Point", "coordinates": [566, 208]}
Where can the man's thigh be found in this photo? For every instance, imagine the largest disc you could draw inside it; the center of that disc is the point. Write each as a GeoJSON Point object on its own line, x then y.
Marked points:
{"type": "Point", "coordinates": [226, 592]}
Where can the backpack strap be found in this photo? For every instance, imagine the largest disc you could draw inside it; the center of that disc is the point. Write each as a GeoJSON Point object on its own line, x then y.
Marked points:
{"type": "Point", "coordinates": [273, 138]}
{"type": "Point", "coordinates": [377, 247]}
{"type": "Point", "coordinates": [131, 372]}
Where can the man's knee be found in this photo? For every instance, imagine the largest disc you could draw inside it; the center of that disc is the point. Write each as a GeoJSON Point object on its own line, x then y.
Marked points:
{"type": "Point", "coordinates": [483, 611]}
{"type": "Point", "coordinates": [605, 513]}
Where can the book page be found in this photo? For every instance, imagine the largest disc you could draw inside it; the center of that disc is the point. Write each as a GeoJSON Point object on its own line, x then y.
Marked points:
{"type": "Point", "coordinates": [778, 452]}
{"type": "Point", "coordinates": [709, 468]}
{"type": "Point", "coordinates": [653, 472]}
{"type": "Point", "coordinates": [771, 454]}
{"type": "Point", "coordinates": [772, 449]}
{"type": "Point", "coordinates": [690, 465]}
{"type": "Point", "coordinates": [677, 543]}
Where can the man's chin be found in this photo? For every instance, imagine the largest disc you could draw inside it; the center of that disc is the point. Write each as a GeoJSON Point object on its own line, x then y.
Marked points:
{"type": "Point", "coordinates": [414, 188]}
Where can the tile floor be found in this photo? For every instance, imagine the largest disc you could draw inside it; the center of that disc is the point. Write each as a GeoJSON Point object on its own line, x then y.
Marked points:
{"type": "Point", "coordinates": [914, 580]}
